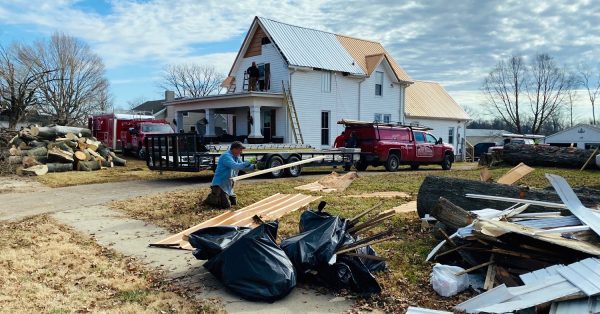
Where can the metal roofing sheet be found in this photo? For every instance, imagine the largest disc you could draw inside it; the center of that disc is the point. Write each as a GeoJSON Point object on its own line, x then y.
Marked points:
{"type": "Point", "coordinates": [584, 274]}
{"type": "Point", "coordinates": [553, 222]}
{"type": "Point", "coordinates": [420, 310]}
{"type": "Point", "coordinates": [540, 274]}
{"type": "Point", "coordinates": [430, 100]}
{"type": "Point", "coordinates": [585, 305]}
{"type": "Point", "coordinates": [307, 47]}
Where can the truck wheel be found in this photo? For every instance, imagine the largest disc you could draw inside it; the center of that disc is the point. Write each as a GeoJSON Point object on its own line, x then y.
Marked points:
{"type": "Point", "coordinates": [414, 166]}
{"type": "Point", "coordinates": [361, 165]}
{"type": "Point", "coordinates": [293, 171]}
{"type": "Point", "coordinates": [274, 162]}
{"type": "Point", "coordinates": [347, 168]}
{"type": "Point", "coordinates": [447, 162]}
{"type": "Point", "coordinates": [392, 163]}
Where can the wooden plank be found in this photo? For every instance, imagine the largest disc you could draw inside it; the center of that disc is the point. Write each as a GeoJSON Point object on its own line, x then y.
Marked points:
{"type": "Point", "coordinates": [515, 174]}
{"type": "Point", "coordinates": [265, 171]}
{"type": "Point", "coordinates": [468, 270]}
{"type": "Point", "coordinates": [588, 160]}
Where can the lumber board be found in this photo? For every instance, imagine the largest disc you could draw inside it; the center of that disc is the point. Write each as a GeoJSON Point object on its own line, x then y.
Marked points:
{"type": "Point", "coordinates": [272, 207]}
{"type": "Point", "coordinates": [265, 171]}
{"type": "Point", "coordinates": [515, 174]}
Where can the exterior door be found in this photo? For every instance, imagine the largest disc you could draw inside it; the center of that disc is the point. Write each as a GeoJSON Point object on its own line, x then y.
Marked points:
{"type": "Point", "coordinates": [267, 127]}
{"type": "Point", "coordinates": [424, 149]}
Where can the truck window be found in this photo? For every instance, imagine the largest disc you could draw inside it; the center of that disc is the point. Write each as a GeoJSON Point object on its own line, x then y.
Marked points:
{"type": "Point", "coordinates": [419, 137]}
{"type": "Point", "coordinates": [163, 128]}
{"type": "Point", "coordinates": [394, 135]}
{"type": "Point", "coordinates": [431, 139]}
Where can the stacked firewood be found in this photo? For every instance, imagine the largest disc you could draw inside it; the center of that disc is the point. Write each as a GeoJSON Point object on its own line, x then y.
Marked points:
{"type": "Point", "coordinates": [39, 150]}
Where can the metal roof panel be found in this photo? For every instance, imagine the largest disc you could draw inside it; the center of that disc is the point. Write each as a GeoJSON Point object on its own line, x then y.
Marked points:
{"type": "Point", "coordinates": [430, 100]}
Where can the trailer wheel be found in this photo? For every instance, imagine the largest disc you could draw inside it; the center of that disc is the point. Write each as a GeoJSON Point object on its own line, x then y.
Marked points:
{"type": "Point", "coordinates": [361, 165]}
{"type": "Point", "coordinates": [293, 171]}
{"type": "Point", "coordinates": [274, 162]}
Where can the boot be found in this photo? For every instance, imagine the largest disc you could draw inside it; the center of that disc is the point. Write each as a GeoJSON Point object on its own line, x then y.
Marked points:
{"type": "Point", "coordinates": [233, 200]}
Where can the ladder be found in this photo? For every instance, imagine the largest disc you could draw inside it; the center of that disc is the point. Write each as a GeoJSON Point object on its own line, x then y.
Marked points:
{"type": "Point", "coordinates": [292, 114]}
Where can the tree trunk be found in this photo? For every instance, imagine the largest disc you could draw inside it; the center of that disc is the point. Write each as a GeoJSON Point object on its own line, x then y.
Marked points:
{"type": "Point", "coordinates": [29, 161]}
{"type": "Point", "coordinates": [118, 161]}
{"type": "Point", "coordinates": [59, 167]}
{"type": "Point", "coordinates": [88, 165]}
{"type": "Point", "coordinates": [52, 132]}
{"type": "Point", "coordinates": [454, 190]}
{"type": "Point", "coordinates": [103, 151]}
{"type": "Point", "coordinates": [15, 160]}
{"type": "Point", "coordinates": [451, 215]}
{"type": "Point", "coordinates": [38, 151]}
{"type": "Point", "coordinates": [81, 156]}
{"type": "Point", "coordinates": [547, 156]}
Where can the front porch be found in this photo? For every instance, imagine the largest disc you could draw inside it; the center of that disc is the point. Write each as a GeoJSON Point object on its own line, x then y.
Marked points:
{"type": "Point", "coordinates": [250, 117]}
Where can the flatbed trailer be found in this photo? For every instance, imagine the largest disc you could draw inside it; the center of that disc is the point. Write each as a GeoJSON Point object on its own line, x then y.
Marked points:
{"type": "Point", "coordinates": [187, 152]}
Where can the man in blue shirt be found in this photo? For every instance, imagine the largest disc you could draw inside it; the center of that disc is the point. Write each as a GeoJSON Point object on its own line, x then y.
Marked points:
{"type": "Point", "coordinates": [230, 162]}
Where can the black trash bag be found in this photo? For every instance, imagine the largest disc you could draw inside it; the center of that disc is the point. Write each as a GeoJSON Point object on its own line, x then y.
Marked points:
{"type": "Point", "coordinates": [310, 220]}
{"type": "Point", "coordinates": [314, 247]}
{"type": "Point", "coordinates": [254, 267]}
{"type": "Point", "coordinates": [349, 272]}
{"type": "Point", "coordinates": [372, 265]}
{"type": "Point", "coordinates": [211, 241]}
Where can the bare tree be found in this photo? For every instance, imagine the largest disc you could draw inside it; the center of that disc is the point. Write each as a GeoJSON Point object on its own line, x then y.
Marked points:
{"type": "Point", "coordinates": [77, 87]}
{"type": "Point", "coordinates": [503, 88]}
{"type": "Point", "coordinates": [131, 104]}
{"type": "Point", "coordinates": [191, 79]}
{"type": "Point", "coordinates": [18, 84]}
{"type": "Point", "coordinates": [548, 87]}
{"type": "Point", "coordinates": [572, 96]}
{"type": "Point", "coordinates": [591, 83]}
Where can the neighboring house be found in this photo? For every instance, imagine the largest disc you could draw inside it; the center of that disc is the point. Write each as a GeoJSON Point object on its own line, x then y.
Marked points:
{"type": "Point", "coordinates": [428, 104]}
{"type": "Point", "coordinates": [582, 136]}
{"type": "Point", "coordinates": [476, 136]}
{"type": "Point", "coordinates": [328, 76]}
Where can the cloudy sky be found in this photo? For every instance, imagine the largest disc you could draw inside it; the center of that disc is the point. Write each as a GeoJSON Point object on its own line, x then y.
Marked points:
{"type": "Point", "coordinates": [453, 42]}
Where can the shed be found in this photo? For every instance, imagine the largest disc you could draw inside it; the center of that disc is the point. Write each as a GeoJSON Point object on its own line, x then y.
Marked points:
{"type": "Point", "coordinates": [582, 136]}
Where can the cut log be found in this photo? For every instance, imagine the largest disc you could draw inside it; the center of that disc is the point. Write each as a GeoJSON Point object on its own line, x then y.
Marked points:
{"type": "Point", "coordinates": [548, 156]}
{"type": "Point", "coordinates": [15, 160]}
{"type": "Point", "coordinates": [59, 167]}
{"type": "Point", "coordinates": [454, 190]}
{"type": "Point", "coordinates": [118, 161]}
{"type": "Point", "coordinates": [95, 155]}
{"type": "Point", "coordinates": [80, 155]}
{"type": "Point", "coordinates": [103, 151]}
{"type": "Point", "coordinates": [72, 136]}
{"type": "Point", "coordinates": [88, 165]}
{"type": "Point", "coordinates": [108, 164]}
{"type": "Point", "coordinates": [14, 151]}
{"type": "Point", "coordinates": [52, 132]}
{"type": "Point", "coordinates": [38, 151]}
{"type": "Point", "coordinates": [65, 147]}
{"type": "Point", "coordinates": [26, 134]}
{"type": "Point", "coordinates": [38, 170]}
{"type": "Point", "coordinates": [29, 161]}
{"type": "Point", "coordinates": [451, 215]}
{"type": "Point", "coordinates": [34, 144]}
{"type": "Point", "coordinates": [57, 154]}
{"type": "Point", "coordinates": [92, 145]}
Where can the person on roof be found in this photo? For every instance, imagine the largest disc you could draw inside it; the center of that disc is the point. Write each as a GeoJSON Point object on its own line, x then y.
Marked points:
{"type": "Point", "coordinates": [230, 162]}
{"type": "Point", "coordinates": [253, 75]}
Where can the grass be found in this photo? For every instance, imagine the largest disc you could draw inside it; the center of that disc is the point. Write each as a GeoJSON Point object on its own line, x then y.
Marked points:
{"type": "Point", "coordinates": [135, 170]}
{"type": "Point", "coordinates": [407, 282]}
{"type": "Point", "coordinates": [46, 267]}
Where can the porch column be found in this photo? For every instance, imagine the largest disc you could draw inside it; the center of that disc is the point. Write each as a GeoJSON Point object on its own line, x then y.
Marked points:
{"type": "Point", "coordinates": [255, 132]}
{"type": "Point", "coordinates": [210, 125]}
{"type": "Point", "coordinates": [179, 120]}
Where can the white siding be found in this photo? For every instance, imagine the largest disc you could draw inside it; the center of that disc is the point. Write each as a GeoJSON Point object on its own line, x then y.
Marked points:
{"type": "Point", "coordinates": [310, 101]}
{"type": "Point", "coordinates": [580, 134]}
{"type": "Point", "coordinates": [278, 68]}
{"type": "Point", "coordinates": [387, 103]}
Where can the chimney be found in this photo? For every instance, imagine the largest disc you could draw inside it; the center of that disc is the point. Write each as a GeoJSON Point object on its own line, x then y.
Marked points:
{"type": "Point", "coordinates": [169, 95]}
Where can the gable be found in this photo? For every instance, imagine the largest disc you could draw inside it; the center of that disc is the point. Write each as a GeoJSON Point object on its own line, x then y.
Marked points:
{"type": "Point", "coordinates": [255, 45]}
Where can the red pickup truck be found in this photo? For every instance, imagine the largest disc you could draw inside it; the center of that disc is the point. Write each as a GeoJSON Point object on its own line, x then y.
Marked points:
{"type": "Point", "coordinates": [393, 145]}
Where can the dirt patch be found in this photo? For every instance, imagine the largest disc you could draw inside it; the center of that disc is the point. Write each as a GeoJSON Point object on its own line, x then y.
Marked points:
{"type": "Point", "coordinates": [333, 182]}
{"type": "Point", "coordinates": [382, 194]}
{"type": "Point", "coordinates": [47, 267]}
{"type": "Point", "coordinates": [10, 184]}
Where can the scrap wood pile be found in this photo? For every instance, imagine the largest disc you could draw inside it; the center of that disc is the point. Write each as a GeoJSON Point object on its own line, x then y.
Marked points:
{"type": "Point", "coordinates": [39, 150]}
{"type": "Point", "coordinates": [329, 250]}
{"type": "Point", "coordinates": [533, 254]}
{"type": "Point", "coordinates": [333, 182]}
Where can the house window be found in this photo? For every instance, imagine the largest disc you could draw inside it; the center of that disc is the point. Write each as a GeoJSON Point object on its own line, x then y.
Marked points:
{"type": "Point", "coordinates": [326, 81]}
{"type": "Point", "coordinates": [324, 127]}
{"type": "Point", "coordinates": [378, 83]}
{"type": "Point", "coordinates": [451, 135]}
{"type": "Point", "coordinates": [377, 117]}
{"type": "Point", "coordinates": [185, 114]}
{"type": "Point", "coordinates": [387, 118]}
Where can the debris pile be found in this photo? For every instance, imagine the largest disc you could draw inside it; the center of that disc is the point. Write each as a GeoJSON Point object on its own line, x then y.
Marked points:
{"type": "Point", "coordinates": [333, 182]}
{"type": "Point", "coordinates": [39, 150]}
{"type": "Point", "coordinates": [329, 250]}
{"type": "Point", "coordinates": [520, 251]}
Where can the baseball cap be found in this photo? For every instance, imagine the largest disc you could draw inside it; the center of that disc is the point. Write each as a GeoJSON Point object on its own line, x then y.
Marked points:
{"type": "Point", "coordinates": [237, 144]}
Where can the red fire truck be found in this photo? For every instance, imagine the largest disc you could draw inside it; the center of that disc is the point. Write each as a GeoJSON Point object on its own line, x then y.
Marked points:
{"type": "Point", "coordinates": [126, 132]}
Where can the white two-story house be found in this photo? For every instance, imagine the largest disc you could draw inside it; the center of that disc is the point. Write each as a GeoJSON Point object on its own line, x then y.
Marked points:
{"type": "Point", "coordinates": [328, 76]}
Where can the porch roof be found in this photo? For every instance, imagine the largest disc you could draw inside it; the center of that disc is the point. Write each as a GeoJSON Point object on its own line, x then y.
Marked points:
{"type": "Point", "coordinates": [212, 98]}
